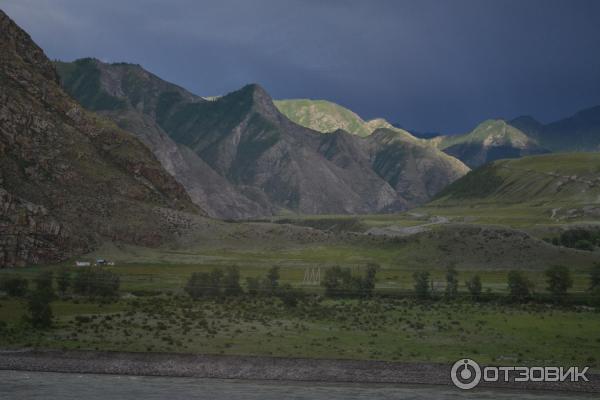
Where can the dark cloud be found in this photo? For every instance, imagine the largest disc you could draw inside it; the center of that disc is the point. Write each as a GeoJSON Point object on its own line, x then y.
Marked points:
{"type": "Point", "coordinates": [430, 65]}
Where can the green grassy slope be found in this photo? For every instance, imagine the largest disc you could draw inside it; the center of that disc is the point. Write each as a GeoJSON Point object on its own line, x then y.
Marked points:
{"type": "Point", "coordinates": [562, 186]}
{"type": "Point", "coordinates": [491, 140]}
{"type": "Point", "coordinates": [326, 116]}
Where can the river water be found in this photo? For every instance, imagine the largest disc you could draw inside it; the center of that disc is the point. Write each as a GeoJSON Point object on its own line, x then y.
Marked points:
{"type": "Point", "coordinates": [48, 386]}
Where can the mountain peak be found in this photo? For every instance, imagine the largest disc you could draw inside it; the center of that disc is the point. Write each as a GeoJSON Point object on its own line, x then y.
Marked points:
{"type": "Point", "coordinates": [17, 46]}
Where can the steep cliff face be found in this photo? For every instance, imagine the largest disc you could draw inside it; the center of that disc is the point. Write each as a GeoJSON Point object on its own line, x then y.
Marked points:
{"type": "Point", "coordinates": [69, 179]}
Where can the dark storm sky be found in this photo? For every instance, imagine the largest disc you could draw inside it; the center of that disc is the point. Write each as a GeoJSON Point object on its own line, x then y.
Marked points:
{"type": "Point", "coordinates": [429, 64]}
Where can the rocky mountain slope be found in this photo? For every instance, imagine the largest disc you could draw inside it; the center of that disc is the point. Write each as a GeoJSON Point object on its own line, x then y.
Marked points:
{"type": "Point", "coordinates": [135, 100]}
{"type": "Point", "coordinates": [248, 147]}
{"type": "Point", "coordinates": [491, 140]}
{"type": "Point", "coordinates": [69, 179]}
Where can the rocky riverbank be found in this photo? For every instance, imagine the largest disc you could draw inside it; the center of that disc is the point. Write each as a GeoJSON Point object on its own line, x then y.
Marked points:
{"type": "Point", "coordinates": [255, 368]}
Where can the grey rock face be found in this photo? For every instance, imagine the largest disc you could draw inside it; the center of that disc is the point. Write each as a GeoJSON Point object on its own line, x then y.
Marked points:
{"type": "Point", "coordinates": [238, 156]}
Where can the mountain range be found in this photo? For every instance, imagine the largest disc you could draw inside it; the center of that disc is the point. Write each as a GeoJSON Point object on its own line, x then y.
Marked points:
{"type": "Point", "coordinates": [93, 152]}
{"type": "Point", "coordinates": [238, 156]}
{"type": "Point", "coordinates": [491, 140]}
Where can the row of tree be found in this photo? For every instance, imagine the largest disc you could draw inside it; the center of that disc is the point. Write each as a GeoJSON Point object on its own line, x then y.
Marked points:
{"type": "Point", "coordinates": [520, 288]}
{"type": "Point", "coordinates": [92, 282]}
{"type": "Point", "coordinates": [218, 283]}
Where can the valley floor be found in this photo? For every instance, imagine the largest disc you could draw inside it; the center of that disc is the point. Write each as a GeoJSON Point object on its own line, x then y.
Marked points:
{"type": "Point", "coordinates": [376, 329]}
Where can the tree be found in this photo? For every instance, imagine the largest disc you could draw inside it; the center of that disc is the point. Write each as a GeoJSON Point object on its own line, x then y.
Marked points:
{"type": "Point", "coordinates": [253, 284]}
{"type": "Point", "coordinates": [63, 281]}
{"type": "Point", "coordinates": [595, 277]}
{"type": "Point", "coordinates": [198, 285]}
{"type": "Point", "coordinates": [231, 281]}
{"type": "Point", "coordinates": [451, 283]}
{"type": "Point", "coordinates": [559, 281]}
{"type": "Point", "coordinates": [15, 287]}
{"type": "Point", "coordinates": [333, 281]}
{"type": "Point", "coordinates": [40, 311]}
{"type": "Point", "coordinates": [272, 279]}
{"type": "Point", "coordinates": [519, 286]}
{"type": "Point", "coordinates": [288, 295]}
{"type": "Point", "coordinates": [96, 282]}
{"type": "Point", "coordinates": [43, 283]}
{"type": "Point", "coordinates": [474, 287]}
{"type": "Point", "coordinates": [368, 282]}
{"type": "Point", "coordinates": [215, 282]}
{"type": "Point", "coordinates": [421, 279]}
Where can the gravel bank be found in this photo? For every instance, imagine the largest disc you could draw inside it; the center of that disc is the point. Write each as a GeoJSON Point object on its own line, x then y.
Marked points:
{"type": "Point", "coordinates": [254, 368]}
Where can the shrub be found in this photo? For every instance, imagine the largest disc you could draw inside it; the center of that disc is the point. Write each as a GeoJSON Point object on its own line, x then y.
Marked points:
{"type": "Point", "coordinates": [474, 287]}
{"type": "Point", "coordinates": [519, 286]}
{"type": "Point", "coordinates": [231, 281]}
{"type": "Point", "coordinates": [451, 283]}
{"type": "Point", "coordinates": [40, 311]}
{"type": "Point", "coordinates": [15, 287]}
{"type": "Point", "coordinates": [96, 282]}
{"type": "Point", "coordinates": [422, 289]}
{"type": "Point", "coordinates": [341, 282]}
{"type": "Point", "coordinates": [559, 281]}
{"type": "Point", "coordinates": [288, 295]}
{"type": "Point", "coordinates": [63, 281]}
{"type": "Point", "coordinates": [595, 277]}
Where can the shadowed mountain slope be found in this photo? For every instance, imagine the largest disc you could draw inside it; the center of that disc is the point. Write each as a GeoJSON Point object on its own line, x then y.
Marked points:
{"type": "Point", "coordinates": [247, 146]}
{"type": "Point", "coordinates": [580, 132]}
{"type": "Point", "coordinates": [69, 179]}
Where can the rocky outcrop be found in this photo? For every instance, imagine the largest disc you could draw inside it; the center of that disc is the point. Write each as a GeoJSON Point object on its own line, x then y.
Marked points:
{"type": "Point", "coordinates": [70, 179]}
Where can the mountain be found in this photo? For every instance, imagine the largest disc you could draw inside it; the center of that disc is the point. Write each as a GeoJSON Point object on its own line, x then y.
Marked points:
{"type": "Point", "coordinates": [248, 147]}
{"type": "Point", "coordinates": [325, 116]}
{"type": "Point", "coordinates": [68, 178]}
{"type": "Point", "coordinates": [564, 185]}
{"type": "Point", "coordinates": [135, 100]}
{"type": "Point", "coordinates": [491, 140]}
{"type": "Point", "coordinates": [399, 159]}
{"type": "Point", "coordinates": [580, 132]}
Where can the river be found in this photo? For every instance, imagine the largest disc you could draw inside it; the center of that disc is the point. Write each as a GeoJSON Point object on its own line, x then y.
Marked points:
{"type": "Point", "coordinates": [20, 385]}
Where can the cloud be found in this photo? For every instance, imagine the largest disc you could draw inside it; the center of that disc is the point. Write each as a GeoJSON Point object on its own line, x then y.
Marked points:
{"type": "Point", "coordinates": [430, 65]}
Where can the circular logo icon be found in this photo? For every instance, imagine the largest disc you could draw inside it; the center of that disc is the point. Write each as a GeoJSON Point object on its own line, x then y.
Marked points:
{"type": "Point", "coordinates": [465, 373]}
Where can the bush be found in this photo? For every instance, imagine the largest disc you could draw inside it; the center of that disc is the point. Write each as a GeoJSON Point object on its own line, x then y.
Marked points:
{"type": "Point", "coordinates": [519, 287]}
{"type": "Point", "coordinates": [451, 283]}
{"type": "Point", "coordinates": [96, 282]}
{"type": "Point", "coordinates": [288, 295]}
{"type": "Point", "coordinates": [40, 311]}
{"type": "Point", "coordinates": [43, 283]}
{"type": "Point", "coordinates": [231, 281]}
{"type": "Point", "coordinates": [341, 282]}
{"type": "Point", "coordinates": [214, 283]}
{"type": "Point", "coordinates": [595, 277]}
{"type": "Point", "coordinates": [63, 281]}
{"type": "Point", "coordinates": [474, 287]}
{"type": "Point", "coordinates": [559, 281]}
{"type": "Point", "coordinates": [422, 288]}
{"type": "Point", "coordinates": [15, 287]}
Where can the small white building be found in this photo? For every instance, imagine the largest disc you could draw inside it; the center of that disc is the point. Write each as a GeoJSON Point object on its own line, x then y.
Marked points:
{"type": "Point", "coordinates": [82, 263]}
